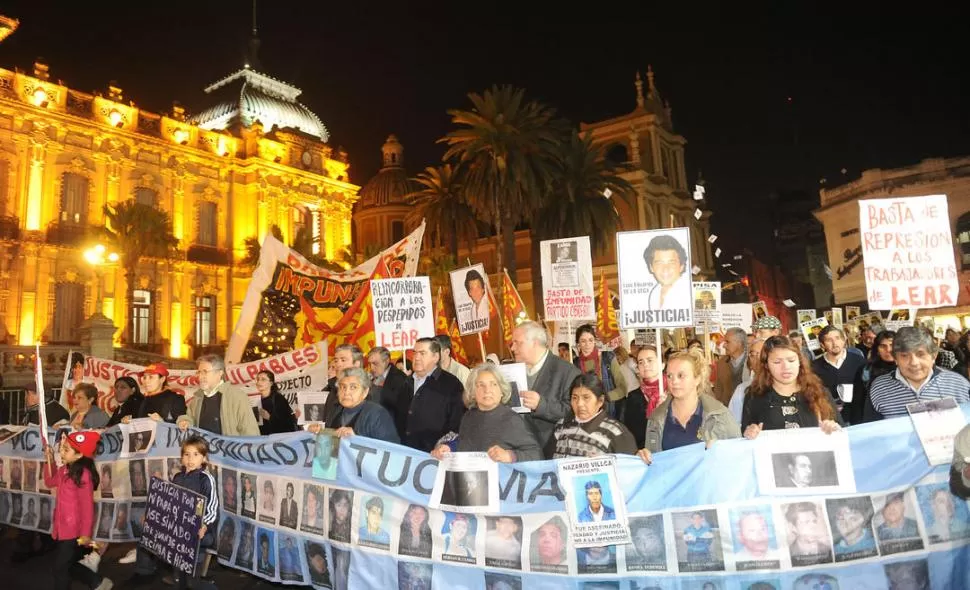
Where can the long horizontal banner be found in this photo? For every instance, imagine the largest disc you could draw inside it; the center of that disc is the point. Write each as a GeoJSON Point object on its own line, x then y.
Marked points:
{"type": "Point", "coordinates": [698, 519]}
{"type": "Point", "coordinates": [303, 369]}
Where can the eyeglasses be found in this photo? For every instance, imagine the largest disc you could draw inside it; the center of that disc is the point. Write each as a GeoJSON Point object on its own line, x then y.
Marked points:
{"type": "Point", "coordinates": [204, 371]}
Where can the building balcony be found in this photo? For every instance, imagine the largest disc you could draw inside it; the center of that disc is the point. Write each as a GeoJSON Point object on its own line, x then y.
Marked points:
{"type": "Point", "coordinates": [207, 255]}
{"type": "Point", "coordinates": [71, 235]}
{"type": "Point", "coordinates": [9, 228]}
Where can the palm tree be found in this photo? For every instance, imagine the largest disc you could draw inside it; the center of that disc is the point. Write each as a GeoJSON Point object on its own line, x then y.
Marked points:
{"type": "Point", "coordinates": [441, 203]}
{"type": "Point", "coordinates": [503, 145]}
{"type": "Point", "coordinates": [254, 247]}
{"type": "Point", "coordinates": [138, 231]}
{"type": "Point", "coordinates": [576, 204]}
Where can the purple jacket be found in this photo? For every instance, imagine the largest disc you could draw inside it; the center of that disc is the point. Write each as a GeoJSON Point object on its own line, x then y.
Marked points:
{"type": "Point", "coordinates": [74, 506]}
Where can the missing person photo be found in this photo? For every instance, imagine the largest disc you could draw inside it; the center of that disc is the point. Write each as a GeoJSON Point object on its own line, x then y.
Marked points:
{"type": "Point", "coordinates": [414, 576]}
{"type": "Point", "coordinates": [908, 575]}
{"type": "Point", "coordinates": [593, 498]}
{"type": "Point", "coordinates": [138, 441]}
{"type": "Point", "coordinates": [316, 558]}
{"type": "Point", "coordinates": [341, 515]}
{"type": "Point", "coordinates": [945, 516]}
{"type": "Point", "coordinates": [248, 492]}
{"type": "Point", "coordinates": [563, 259]}
{"type": "Point", "coordinates": [30, 476]}
{"type": "Point", "coordinates": [815, 582]}
{"type": "Point", "coordinates": [704, 300]}
{"type": "Point", "coordinates": [291, 569]}
{"type": "Point", "coordinates": [851, 522]}
{"type": "Point", "coordinates": [105, 520]}
{"type": "Point", "coordinates": [4, 507]}
{"type": "Point", "coordinates": [564, 252]}
{"type": "Point", "coordinates": [667, 261]}
{"type": "Point", "coordinates": [289, 510]}
{"type": "Point", "coordinates": [121, 530]}
{"type": "Point", "coordinates": [139, 486]}
{"type": "Point", "coordinates": [267, 499]}
{"type": "Point", "coordinates": [341, 568]}
{"type": "Point", "coordinates": [30, 514]}
{"type": "Point", "coordinates": [314, 504]}
{"type": "Point", "coordinates": [805, 470]}
{"type": "Point", "coordinates": [470, 291]}
{"type": "Point", "coordinates": [808, 538]}
{"type": "Point", "coordinates": [174, 465]}
{"type": "Point", "coordinates": [415, 533]}
{"type": "Point", "coordinates": [246, 547]}
{"type": "Point", "coordinates": [230, 493]}
{"type": "Point", "coordinates": [465, 488]}
{"type": "Point", "coordinates": [648, 552]}
{"type": "Point", "coordinates": [547, 547]}
{"type": "Point", "coordinates": [372, 531]}
{"type": "Point", "coordinates": [754, 544]}
{"type": "Point", "coordinates": [459, 532]}
{"type": "Point", "coordinates": [266, 552]}
{"type": "Point", "coordinates": [227, 537]}
{"type": "Point", "coordinates": [44, 519]}
{"type": "Point", "coordinates": [136, 518]}
{"type": "Point", "coordinates": [596, 560]}
{"type": "Point", "coordinates": [16, 474]}
{"type": "Point", "coordinates": [156, 468]}
{"type": "Point", "coordinates": [697, 537]}
{"type": "Point", "coordinates": [896, 529]}
{"type": "Point", "coordinates": [16, 508]}
{"type": "Point", "coordinates": [502, 582]}
{"type": "Point", "coordinates": [313, 412]}
{"type": "Point", "coordinates": [325, 455]}
{"type": "Point", "coordinates": [503, 541]}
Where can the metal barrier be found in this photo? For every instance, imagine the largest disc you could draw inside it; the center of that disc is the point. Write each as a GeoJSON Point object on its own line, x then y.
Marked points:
{"type": "Point", "coordinates": [16, 403]}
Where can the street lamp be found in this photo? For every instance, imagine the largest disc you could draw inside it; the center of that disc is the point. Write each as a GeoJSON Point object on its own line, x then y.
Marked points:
{"type": "Point", "coordinates": [99, 256]}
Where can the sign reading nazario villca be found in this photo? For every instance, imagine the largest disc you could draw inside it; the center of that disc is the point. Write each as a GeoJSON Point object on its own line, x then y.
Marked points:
{"type": "Point", "coordinates": [907, 249]}
{"type": "Point", "coordinates": [402, 311]}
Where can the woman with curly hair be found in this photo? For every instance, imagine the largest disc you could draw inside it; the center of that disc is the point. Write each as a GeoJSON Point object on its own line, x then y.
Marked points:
{"type": "Point", "coordinates": [785, 393]}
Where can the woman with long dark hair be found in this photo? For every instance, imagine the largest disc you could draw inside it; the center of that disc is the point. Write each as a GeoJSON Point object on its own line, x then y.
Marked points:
{"type": "Point", "coordinates": [276, 412]}
{"type": "Point", "coordinates": [129, 398]}
{"type": "Point", "coordinates": [880, 362]}
{"type": "Point", "coordinates": [785, 393]}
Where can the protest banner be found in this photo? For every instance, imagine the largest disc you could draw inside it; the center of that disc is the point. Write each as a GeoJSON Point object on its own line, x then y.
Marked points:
{"type": "Point", "coordinates": [707, 304]}
{"type": "Point", "coordinates": [805, 315]}
{"type": "Point", "coordinates": [907, 252]}
{"type": "Point", "coordinates": [516, 375]}
{"type": "Point", "coordinates": [469, 289]}
{"type": "Point", "coordinates": [466, 482]}
{"type": "Point", "coordinates": [653, 272]}
{"type": "Point", "coordinates": [736, 315]}
{"type": "Point", "coordinates": [852, 313]}
{"type": "Point", "coordinates": [311, 405]}
{"type": "Point", "coordinates": [402, 311]}
{"type": "Point", "coordinates": [594, 502]}
{"type": "Point", "coordinates": [811, 330]}
{"type": "Point", "coordinates": [173, 517]}
{"type": "Point", "coordinates": [291, 303]}
{"type": "Point", "coordinates": [937, 423]}
{"type": "Point", "coordinates": [567, 280]}
{"type": "Point", "coordinates": [837, 319]}
{"type": "Point", "coordinates": [303, 369]}
{"type": "Point", "coordinates": [802, 461]}
{"type": "Point", "coordinates": [684, 511]}
{"type": "Point", "coordinates": [759, 309]}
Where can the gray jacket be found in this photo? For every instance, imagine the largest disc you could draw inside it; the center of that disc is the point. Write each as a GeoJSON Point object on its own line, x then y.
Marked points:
{"type": "Point", "coordinates": [552, 384]}
{"type": "Point", "coordinates": [717, 423]}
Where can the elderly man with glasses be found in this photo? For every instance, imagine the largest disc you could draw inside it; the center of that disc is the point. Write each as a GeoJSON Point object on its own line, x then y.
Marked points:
{"type": "Point", "coordinates": [218, 406]}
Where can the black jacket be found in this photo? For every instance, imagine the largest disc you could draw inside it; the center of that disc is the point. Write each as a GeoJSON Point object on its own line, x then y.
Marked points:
{"type": "Point", "coordinates": [281, 418]}
{"type": "Point", "coordinates": [846, 374]}
{"type": "Point", "coordinates": [202, 482]}
{"type": "Point", "coordinates": [433, 411]}
{"type": "Point", "coordinates": [332, 406]}
{"type": "Point", "coordinates": [128, 408]}
{"type": "Point", "coordinates": [396, 391]}
{"type": "Point", "coordinates": [55, 413]}
{"type": "Point", "coordinates": [633, 414]}
{"type": "Point", "coordinates": [167, 404]}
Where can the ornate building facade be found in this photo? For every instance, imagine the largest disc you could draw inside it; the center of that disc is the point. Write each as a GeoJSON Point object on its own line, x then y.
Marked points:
{"type": "Point", "coordinates": [839, 213]}
{"type": "Point", "coordinates": [255, 159]}
{"type": "Point", "coordinates": [380, 213]}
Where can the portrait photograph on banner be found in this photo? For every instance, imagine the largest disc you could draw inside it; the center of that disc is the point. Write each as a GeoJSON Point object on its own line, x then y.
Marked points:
{"type": "Point", "coordinates": [311, 405]}
{"type": "Point", "coordinates": [654, 274]}
{"type": "Point", "coordinates": [469, 289]}
{"type": "Point", "coordinates": [567, 280]}
{"type": "Point", "coordinates": [138, 436]}
{"type": "Point", "coordinates": [402, 311]}
{"type": "Point", "coordinates": [803, 461]}
{"type": "Point", "coordinates": [594, 502]}
{"type": "Point", "coordinates": [466, 482]}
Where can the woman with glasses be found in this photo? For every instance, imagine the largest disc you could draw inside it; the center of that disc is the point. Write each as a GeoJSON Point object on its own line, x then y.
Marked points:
{"type": "Point", "coordinates": [785, 393]}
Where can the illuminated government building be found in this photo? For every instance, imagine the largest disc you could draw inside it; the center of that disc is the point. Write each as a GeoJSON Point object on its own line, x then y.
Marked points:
{"type": "Point", "coordinates": [255, 158]}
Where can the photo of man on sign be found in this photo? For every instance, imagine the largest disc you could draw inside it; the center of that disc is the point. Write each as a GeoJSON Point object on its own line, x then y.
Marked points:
{"type": "Point", "coordinates": [470, 291]}
{"type": "Point", "coordinates": [663, 295]}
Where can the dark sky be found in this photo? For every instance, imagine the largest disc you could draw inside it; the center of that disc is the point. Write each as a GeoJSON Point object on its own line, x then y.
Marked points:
{"type": "Point", "coordinates": [777, 97]}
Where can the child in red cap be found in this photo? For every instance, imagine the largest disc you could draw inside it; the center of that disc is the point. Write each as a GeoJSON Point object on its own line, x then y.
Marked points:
{"type": "Point", "coordinates": [75, 482]}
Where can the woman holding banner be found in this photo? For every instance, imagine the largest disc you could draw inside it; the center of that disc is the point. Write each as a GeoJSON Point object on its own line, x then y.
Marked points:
{"type": "Point", "coordinates": [160, 404]}
{"type": "Point", "coordinates": [689, 414]}
{"type": "Point", "coordinates": [276, 411]}
{"type": "Point", "coordinates": [785, 393]}
{"type": "Point", "coordinates": [589, 432]}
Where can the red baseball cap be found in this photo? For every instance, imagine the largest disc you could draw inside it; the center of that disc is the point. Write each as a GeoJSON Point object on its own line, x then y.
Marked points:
{"type": "Point", "coordinates": [156, 369]}
{"type": "Point", "coordinates": [84, 442]}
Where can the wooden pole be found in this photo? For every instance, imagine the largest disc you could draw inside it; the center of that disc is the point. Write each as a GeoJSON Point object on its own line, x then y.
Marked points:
{"type": "Point", "coordinates": [707, 342]}
{"type": "Point", "coordinates": [481, 345]}
{"type": "Point", "coordinates": [660, 359]}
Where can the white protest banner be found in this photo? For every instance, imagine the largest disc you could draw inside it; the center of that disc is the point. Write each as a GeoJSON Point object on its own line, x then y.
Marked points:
{"type": "Point", "coordinates": [707, 304]}
{"type": "Point", "coordinates": [736, 315]}
{"type": "Point", "coordinates": [563, 332]}
{"type": "Point", "coordinates": [567, 280]}
{"type": "Point", "coordinates": [41, 394]}
{"type": "Point", "coordinates": [594, 501]}
{"type": "Point", "coordinates": [907, 250]}
{"type": "Point", "coordinates": [303, 369]}
{"type": "Point", "coordinates": [811, 330]}
{"type": "Point", "coordinates": [311, 405]}
{"type": "Point", "coordinates": [469, 290]}
{"type": "Point", "coordinates": [937, 423]}
{"type": "Point", "coordinates": [900, 318]}
{"type": "Point", "coordinates": [402, 311]}
{"type": "Point", "coordinates": [805, 315]}
{"type": "Point", "coordinates": [466, 482]}
{"type": "Point", "coordinates": [852, 313]}
{"type": "Point", "coordinates": [516, 375]}
{"type": "Point", "coordinates": [137, 437]}
{"type": "Point", "coordinates": [653, 272]}
{"type": "Point", "coordinates": [803, 461]}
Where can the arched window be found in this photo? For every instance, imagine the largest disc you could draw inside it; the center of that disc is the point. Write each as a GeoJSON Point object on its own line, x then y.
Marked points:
{"type": "Point", "coordinates": [963, 237]}
{"type": "Point", "coordinates": [74, 199]}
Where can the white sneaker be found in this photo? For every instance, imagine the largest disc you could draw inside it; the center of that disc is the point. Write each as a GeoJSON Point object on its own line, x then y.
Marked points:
{"type": "Point", "coordinates": [91, 561]}
{"type": "Point", "coordinates": [129, 557]}
{"type": "Point", "coordinates": [106, 584]}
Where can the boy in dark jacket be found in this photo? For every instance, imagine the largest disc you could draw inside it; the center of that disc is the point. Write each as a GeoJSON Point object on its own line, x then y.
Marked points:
{"type": "Point", "coordinates": [196, 477]}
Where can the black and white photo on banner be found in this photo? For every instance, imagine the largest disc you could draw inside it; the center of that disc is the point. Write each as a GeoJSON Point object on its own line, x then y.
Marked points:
{"type": "Point", "coordinates": [654, 274]}
{"type": "Point", "coordinates": [567, 280]}
{"type": "Point", "coordinates": [804, 461]}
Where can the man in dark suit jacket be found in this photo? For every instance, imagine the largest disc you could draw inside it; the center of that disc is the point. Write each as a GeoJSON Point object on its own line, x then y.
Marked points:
{"type": "Point", "coordinates": [389, 382]}
{"type": "Point", "coordinates": [289, 512]}
{"type": "Point", "coordinates": [432, 404]}
{"type": "Point", "coordinates": [549, 379]}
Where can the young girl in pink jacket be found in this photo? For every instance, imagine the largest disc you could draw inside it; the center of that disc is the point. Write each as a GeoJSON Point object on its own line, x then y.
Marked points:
{"type": "Point", "coordinates": [74, 483]}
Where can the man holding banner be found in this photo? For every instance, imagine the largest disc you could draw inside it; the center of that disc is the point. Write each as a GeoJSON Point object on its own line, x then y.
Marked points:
{"type": "Point", "coordinates": [218, 407]}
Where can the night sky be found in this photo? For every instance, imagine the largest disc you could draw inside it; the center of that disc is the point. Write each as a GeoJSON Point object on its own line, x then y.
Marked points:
{"type": "Point", "coordinates": [776, 98]}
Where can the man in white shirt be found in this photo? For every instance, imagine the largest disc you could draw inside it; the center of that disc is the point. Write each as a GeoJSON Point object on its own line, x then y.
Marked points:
{"type": "Point", "coordinates": [475, 287]}
{"type": "Point", "coordinates": [667, 261]}
{"type": "Point", "coordinates": [448, 363]}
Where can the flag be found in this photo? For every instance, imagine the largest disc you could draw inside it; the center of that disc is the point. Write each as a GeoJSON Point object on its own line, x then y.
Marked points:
{"type": "Point", "coordinates": [457, 346]}
{"type": "Point", "coordinates": [607, 328]}
{"type": "Point", "coordinates": [441, 318]}
{"type": "Point", "coordinates": [493, 308]}
{"type": "Point", "coordinates": [512, 306]}
{"type": "Point", "coordinates": [42, 406]}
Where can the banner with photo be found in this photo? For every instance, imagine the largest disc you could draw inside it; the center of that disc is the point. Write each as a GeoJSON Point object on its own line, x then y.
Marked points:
{"type": "Point", "coordinates": [292, 303]}
{"type": "Point", "coordinates": [469, 289]}
{"type": "Point", "coordinates": [568, 293]}
{"type": "Point", "coordinates": [654, 275]}
{"type": "Point", "coordinates": [294, 512]}
{"type": "Point", "coordinates": [707, 305]}
{"type": "Point", "coordinates": [303, 369]}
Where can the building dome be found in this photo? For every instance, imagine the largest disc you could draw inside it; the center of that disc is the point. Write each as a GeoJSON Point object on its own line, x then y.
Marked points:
{"type": "Point", "coordinates": [248, 96]}
{"type": "Point", "coordinates": [391, 185]}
